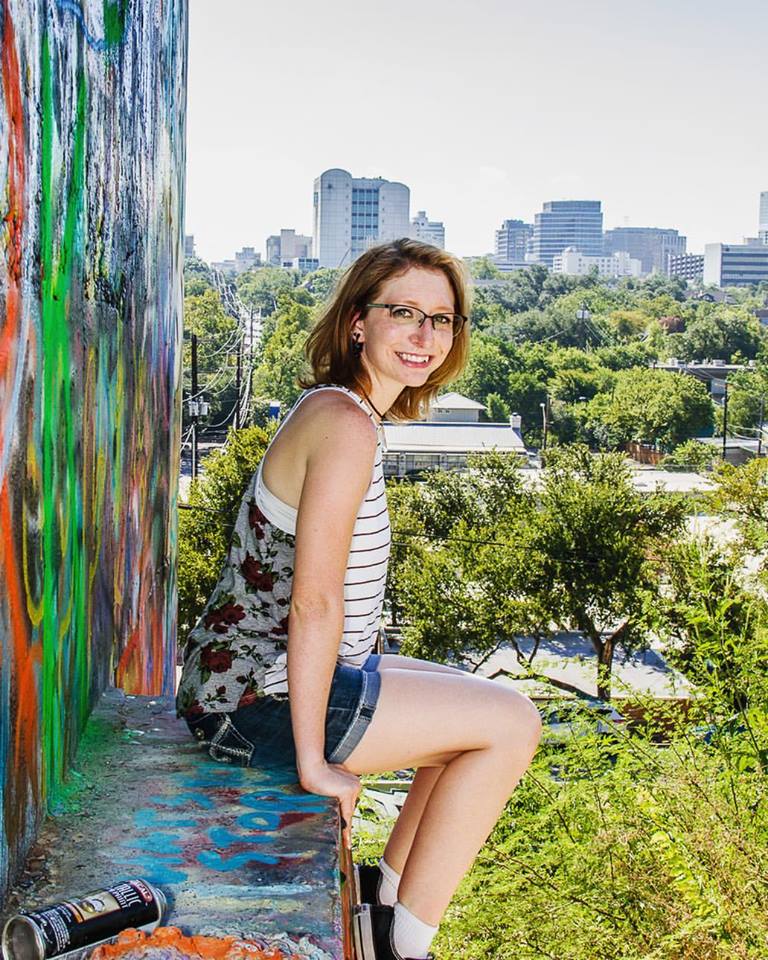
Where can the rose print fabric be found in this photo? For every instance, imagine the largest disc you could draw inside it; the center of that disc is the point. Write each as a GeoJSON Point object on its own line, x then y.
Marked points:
{"type": "Point", "coordinates": [237, 650]}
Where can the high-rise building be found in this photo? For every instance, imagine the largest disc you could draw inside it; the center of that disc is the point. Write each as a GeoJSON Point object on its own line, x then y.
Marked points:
{"type": "Point", "coordinates": [567, 223]}
{"type": "Point", "coordinates": [189, 245]}
{"type": "Point", "coordinates": [512, 243]}
{"type": "Point", "coordinates": [652, 246]}
{"type": "Point", "coordinates": [287, 246]}
{"type": "Point", "coordinates": [735, 265]}
{"type": "Point", "coordinates": [762, 230]}
{"type": "Point", "coordinates": [688, 266]}
{"type": "Point", "coordinates": [428, 231]}
{"type": "Point", "coordinates": [247, 259]}
{"type": "Point", "coordinates": [351, 214]}
{"type": "Point", "coordinates": [573, 263]}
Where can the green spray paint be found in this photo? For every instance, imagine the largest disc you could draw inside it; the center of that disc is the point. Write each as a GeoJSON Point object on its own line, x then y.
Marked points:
{"type": "Point", "coordinates": [64, 628]}
{"type": "Point", "coordinates": [114, 22]}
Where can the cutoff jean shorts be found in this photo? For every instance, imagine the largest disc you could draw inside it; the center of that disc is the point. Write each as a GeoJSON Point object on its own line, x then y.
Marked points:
{"type": "Point", "coordinates": [261, 735]}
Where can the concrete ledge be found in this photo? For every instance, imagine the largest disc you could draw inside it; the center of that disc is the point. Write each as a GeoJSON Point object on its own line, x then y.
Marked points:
{"type": "Point", "coordinates": [236, 851]}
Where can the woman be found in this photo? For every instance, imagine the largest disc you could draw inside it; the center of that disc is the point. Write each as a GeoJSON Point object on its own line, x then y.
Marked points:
{"type": "Point", "coordinates": [279, 669]}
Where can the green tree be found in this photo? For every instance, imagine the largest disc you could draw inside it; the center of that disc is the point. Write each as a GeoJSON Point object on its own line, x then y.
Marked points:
{"type": "Point", "coordinates": [719, 334]}
{"type": "Point", "coordinates": [652, 406]}
{"type": "Point", "coordinates": [713, 625]}
{"type": "Point", "coordinates": [595, 533]}
{"type": "Point", "coordinates": [197, 277]}
{"type": "Point", "coordinates": [486, 372]}
{"type": "Point", "coordinates": [741, 492]}
{"type": "Point", "coordinates": [322, 282]}
{"type": "Point", "coordinates": [692, 454]}
{"type": "Point", "coordinates": [283, 360]}
{"type": "Point", "coordinates": [205, 527]}
{"type": "Point", "coordinates": [261, 289]}
{"type": "Point", "coordinates": [483, 268]}
{"type": "Point", "coordinates": [497, 409]}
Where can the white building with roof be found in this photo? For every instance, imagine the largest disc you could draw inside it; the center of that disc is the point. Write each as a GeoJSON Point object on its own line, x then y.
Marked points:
{"type": "Point", "coordinates": [455, 407]}
{"type": "Point", "coordinates": [573, 263]}
{"type": "Point", "coordinates": [444, 441]}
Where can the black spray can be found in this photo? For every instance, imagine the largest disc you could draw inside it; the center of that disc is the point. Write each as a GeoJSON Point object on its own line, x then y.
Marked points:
{"type": "Point", "coordinates": [73, 925]}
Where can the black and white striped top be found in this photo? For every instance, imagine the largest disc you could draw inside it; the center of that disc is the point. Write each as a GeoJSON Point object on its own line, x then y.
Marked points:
{"type": "Point", "coordinates": [237, 650]}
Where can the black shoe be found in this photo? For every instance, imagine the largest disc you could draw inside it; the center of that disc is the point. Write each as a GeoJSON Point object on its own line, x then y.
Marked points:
{"type": "Point", "coordinates": [372, 929]}
{"type": "Point", "coordinates": [367, 880]}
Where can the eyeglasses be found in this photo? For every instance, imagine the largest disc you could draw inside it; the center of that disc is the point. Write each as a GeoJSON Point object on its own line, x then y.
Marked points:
{"type": "Point", "coordinates": [413, 317]}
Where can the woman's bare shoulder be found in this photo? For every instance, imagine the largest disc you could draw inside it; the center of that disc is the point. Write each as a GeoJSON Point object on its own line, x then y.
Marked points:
{"type": "Point", "coordinates": [333, 418]}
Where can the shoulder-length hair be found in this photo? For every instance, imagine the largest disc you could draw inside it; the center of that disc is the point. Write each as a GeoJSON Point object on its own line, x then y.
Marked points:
{"type": "Point", "coordinates": [329, 346]}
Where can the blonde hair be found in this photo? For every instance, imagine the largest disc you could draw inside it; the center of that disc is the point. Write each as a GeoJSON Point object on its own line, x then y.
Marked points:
{"type": "Point", "coordinates": [329, 346]}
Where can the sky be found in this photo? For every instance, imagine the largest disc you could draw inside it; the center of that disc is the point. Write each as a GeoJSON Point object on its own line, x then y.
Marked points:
{"type": "Point", "coordinates": [485, 110]}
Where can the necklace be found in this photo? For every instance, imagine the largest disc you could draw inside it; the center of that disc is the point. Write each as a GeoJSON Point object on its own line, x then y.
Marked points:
{"type": "Point", "coordinates": [370, 404]}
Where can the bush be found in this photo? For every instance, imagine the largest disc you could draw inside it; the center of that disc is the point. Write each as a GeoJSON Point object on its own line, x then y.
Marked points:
{"type": "Point", "coordinates": [205, 528]}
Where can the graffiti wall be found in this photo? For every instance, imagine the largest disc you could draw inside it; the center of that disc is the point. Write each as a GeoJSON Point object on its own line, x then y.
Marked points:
{"type": "Point", "coordinates": [92, 108]}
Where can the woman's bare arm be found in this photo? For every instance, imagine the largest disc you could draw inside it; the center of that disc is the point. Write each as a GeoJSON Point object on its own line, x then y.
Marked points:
{"type": "Point", "coordinates": [341, 447]}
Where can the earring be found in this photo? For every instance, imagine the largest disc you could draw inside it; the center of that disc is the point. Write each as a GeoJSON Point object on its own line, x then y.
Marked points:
{"type": "Point", "coordinates": [356, 347]}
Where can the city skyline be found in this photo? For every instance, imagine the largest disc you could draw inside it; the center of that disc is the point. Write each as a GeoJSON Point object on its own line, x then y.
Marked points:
{"type": "Point", "coordinates": [638, 112]}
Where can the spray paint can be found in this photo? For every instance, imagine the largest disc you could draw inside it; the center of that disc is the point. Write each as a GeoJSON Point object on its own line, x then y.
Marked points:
{"type": "Point", "coordinates": [73, 925]}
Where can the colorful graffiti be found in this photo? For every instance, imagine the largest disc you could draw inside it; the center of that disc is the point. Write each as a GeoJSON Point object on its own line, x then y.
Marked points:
{"type": "Point", "coordinates": [236, 851]}
{"type": "Point", "coordinates": [92, 111]}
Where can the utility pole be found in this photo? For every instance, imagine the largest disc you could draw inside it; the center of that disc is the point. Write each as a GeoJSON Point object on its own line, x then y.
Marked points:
{"type": "Point", "coordinates": [238, 380]}
{"type": "Point", "coordinates": [725, 416]}
{"type": "Point", "coordinates": [545, 417]}
{"type": "Point", "coordinates": [760, 426]}
{"type": "Point", "coordinates": [193, 405]}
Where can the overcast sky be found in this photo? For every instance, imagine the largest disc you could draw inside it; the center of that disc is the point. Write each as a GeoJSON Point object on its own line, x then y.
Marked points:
{"type": "Point", "coordinates": [484, 109]}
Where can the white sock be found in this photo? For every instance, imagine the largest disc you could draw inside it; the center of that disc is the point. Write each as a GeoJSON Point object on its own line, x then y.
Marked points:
{"type": "Point", "coordinates": [390, 881]}
{"type": "Point", "coordinates": [411, 937]}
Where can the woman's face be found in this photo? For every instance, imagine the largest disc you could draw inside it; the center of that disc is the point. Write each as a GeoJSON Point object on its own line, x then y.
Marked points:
{"type": "Point", "coordinates": [406, 355]}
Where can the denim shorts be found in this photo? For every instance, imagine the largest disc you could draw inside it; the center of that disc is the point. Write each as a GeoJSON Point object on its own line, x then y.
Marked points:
{"type": "Point", "coordinates": [260, 735]}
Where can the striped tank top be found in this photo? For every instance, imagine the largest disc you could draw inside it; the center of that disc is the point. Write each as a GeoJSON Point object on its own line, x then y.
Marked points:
{"type": "Point", "coordinates": [237, 650]}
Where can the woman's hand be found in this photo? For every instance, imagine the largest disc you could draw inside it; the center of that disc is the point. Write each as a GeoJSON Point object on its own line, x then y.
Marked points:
{"type": "Point", "coordinates": [332, 780]}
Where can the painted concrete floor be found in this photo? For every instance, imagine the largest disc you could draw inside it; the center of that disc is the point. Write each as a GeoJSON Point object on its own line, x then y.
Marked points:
{"type": "Point", "coordinates": [236, 851]}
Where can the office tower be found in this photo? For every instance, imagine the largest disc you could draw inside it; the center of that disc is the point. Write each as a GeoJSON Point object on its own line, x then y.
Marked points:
{"type": "Point", "coordinates": [763, 222]}
{"type": "Point", "coordinates": [735, 265]}
{"type": "Point", "coordinates": [428, 231]}
{"type": "Point", "coordinates": [512, 242]}
{"type": "Point", "coordinates": [247, 259]}
{"type": "Point", "coordinates": [351, 214]}
{"type": "Point", "coordinates": [652, 246]}
{"type": "Point", "coordinates": [687, 266]}
{"type": "Point", "coordinates": [189, 245]}
{"type": "Point", "coordinates": [286, 247]}
{"type": "Point", "coordinates": [567, 223]}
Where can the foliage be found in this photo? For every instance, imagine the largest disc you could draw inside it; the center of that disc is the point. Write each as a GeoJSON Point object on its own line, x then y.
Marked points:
{"type": "Point", "coordinates": [742, 493]}
{"type": "Point", "coordinates": [638, 852]}
{"type": "Point", "coordinates": [594, 533]}
{"type": "Point", "coordinates": [497, 408]}
{"type": "Point", "coordinates": [261, 289]}
{"type": "Point", "coordinates": [716, 629]}
{"type": "Point", "coordinates": [204, 530]}
{"type": "Point", "coordinates": [651, 406]}
{"type": "Point", "coordinates": [720, 334]}
{"type": "Point", "coordinates": [489, 560]}
{"type": "Point", "coordinates": [486, 372]}
{"type": "Point", "coordinates": [282, 359]}
{"type": "Point", "coordinates": [483, 268]}
{"type": "Point", "coordinates": [322, 282]}
{"type": "Point", "coordinates": [197, 277]}
{"type": "Point", "coordinates": [692, 454]}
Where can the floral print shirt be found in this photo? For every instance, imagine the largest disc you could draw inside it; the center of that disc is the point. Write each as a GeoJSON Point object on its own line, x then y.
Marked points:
{"type": "Point", "coordinates": [236, 652]}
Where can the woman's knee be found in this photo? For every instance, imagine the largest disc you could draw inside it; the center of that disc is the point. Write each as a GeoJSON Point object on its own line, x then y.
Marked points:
{"type": "Point", "coordinates": [518, 721]}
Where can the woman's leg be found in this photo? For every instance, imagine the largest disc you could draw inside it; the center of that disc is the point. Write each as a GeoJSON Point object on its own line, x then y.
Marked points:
{"type": "Point", "coordinates": [482, 734]}
{"type": "Point", "coordinates": [400, 840]}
